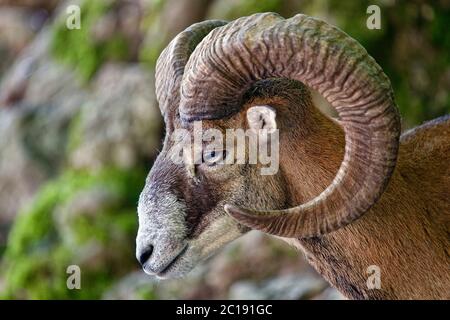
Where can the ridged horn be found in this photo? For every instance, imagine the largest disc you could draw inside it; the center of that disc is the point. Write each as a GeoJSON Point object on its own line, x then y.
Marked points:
{"type": "Point", "coordinates": [170, 64]}
{"type": "Point", "coordinates": [233, 57]}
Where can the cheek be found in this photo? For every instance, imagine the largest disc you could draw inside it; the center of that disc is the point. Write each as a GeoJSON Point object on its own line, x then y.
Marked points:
{"type": "Point", "coordinates": [241, 185]}
{"type": "Point", "coordinates": [265, 192]}
{"type": "Point", "coordinates": [201, 199]}
{"type": "Point", "coordinates": [219, 232]}
{"type": "Point", "coordinates": [206, 199]}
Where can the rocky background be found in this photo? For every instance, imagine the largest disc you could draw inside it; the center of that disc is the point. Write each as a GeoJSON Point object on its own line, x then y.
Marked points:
{"type": "Point", "coordinates": [79, 128]}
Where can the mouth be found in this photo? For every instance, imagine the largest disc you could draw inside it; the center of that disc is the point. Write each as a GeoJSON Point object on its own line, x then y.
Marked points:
{"type": "Point", "coordinates": [172, 264]}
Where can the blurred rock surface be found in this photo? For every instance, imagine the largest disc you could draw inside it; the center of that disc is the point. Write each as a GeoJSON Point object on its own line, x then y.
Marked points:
{"type": "Point", "coordinates": [38, 98]}
{"type": "Point", "coordinates": [120, 123]}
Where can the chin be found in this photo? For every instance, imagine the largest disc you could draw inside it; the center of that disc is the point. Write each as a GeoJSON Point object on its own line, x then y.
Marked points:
{"type": "Point", "coordinates": [174, 274]}
{"type": "Point", "coordinates": [177, 269]}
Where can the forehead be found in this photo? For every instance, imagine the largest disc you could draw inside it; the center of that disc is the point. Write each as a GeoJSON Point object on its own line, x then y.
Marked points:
{"type": "Point", "coordinates": [237, 120]}
{"type": "Point", "coordinates": [276, 92]}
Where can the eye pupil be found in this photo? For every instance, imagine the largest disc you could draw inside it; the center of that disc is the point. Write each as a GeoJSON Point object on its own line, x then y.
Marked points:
{"type": "Point", "coordinates": [212, 157]}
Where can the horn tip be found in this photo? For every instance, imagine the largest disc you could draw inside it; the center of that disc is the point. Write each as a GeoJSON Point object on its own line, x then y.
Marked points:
{"type": "Point", "coordinates": [236, 212]}
{"type": "Point", "coordinates": [230, 209]}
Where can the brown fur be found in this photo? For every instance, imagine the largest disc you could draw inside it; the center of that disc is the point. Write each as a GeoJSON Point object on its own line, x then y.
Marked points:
{"type": "Point", "coordinates": [406, 234]}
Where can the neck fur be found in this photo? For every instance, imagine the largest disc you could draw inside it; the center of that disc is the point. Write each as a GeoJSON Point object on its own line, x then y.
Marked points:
{"type": "Point", "coordinates": [346, 257]}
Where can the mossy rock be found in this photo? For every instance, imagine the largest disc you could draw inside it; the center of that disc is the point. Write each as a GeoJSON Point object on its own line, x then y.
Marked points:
{"type": "Point", "coordinates": [155, 40]}
{"type": "Point", "coordinates": [77, 48]}
{"type": "Point", "coordinates": [233, 9]}
{"type": "Point", "coordinates": [85, 219]}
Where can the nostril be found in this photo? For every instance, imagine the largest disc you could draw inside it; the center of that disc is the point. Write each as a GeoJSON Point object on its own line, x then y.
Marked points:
{"type": "Point", "coordinates": [145, 255]}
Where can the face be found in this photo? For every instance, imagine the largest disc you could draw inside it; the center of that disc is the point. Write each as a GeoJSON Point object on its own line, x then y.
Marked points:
{"type": "Point", "coordinates": [182, 220]}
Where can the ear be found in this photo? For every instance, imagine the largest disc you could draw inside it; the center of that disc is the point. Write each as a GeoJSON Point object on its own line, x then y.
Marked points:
{"type": "Point", "coordinates": [262, 117]}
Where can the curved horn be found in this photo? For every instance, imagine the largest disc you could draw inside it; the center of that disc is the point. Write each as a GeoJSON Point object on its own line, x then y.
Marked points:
{"type": "Point", "coordinates": [233, 57]}
{"type": "Point", "coordinates": [170, 64]}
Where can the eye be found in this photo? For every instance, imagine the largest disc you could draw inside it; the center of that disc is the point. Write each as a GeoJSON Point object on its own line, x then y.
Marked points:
{"type": "Point", "coordinates": [213, 157]}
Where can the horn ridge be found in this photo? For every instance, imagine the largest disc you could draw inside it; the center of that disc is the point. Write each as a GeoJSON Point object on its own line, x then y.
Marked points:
{"type": "Point", "coordinates": [321, 56]}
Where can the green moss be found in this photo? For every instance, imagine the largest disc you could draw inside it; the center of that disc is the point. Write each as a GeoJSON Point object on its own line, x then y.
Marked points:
{"type": "Point", "coordinates": [77, 48]}
{"type": "Point", "coordinates": [75, 133]}
{"type": "Point", "coordinates": [154, 44]}
{"type": "Point", "coordinates": [227, 10]}
{"type": "Point", "coordinates": [39, 251]}
{"type": "Point", "coordinates": [37, 275]}
{"type": "Point", "coordinates": [149, 54]}
{"type": "Point", "coordinates": [230, 10]}
{"type": "Point", "coordinates": [146, 293]}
